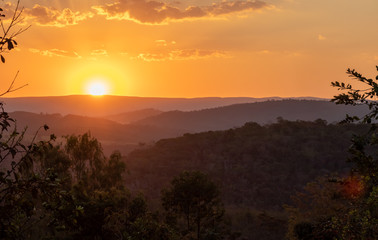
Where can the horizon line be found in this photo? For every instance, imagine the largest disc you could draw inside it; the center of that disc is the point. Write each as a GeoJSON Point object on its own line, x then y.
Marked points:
{"type": "Point", "coordinates": [111, 95]}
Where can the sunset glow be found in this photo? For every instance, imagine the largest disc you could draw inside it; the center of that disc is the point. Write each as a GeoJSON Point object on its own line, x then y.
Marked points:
{"type": "Point", "coordinates": [97, 88]}
{"type": "Point", "coordinates": [195, 48]}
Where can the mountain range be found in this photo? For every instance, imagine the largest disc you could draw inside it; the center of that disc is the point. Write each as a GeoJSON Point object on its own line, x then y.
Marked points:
{"type": "Point", "coordinates": [236, 115]}
{"type": "Point", "coordinates": [127, 130]}
{"type": "Point", "coordinates": [99, 106]}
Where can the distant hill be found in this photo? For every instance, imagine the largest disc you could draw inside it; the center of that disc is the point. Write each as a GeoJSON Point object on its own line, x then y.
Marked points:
{"type": "Point", "coordinates": [112, 135]}
{"type": "Point", "coordinates": [125, 137]}
{"type": "Point", "coordinates": [222, 118]}
{"type": "Point", "coordinates": [110, 105]}
{"type": "Point", "coordinates": [133, 116]}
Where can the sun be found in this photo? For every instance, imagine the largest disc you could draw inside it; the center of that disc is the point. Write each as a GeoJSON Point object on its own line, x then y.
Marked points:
{"type": "Point", "coordinates": [97, 88]}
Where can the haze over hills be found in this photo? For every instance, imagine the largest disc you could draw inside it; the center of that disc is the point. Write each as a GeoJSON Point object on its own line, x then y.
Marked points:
{"type": "Point", "coordinates": [124, 137]}
{"type": "Point", "coordinates": [223, 118]}
{"type": "Point", "coordinates": [93, 106]}
{"type": "Point", "coordinates": [128, 117]}
{"type": "Point", "coordinates": [112, 135]}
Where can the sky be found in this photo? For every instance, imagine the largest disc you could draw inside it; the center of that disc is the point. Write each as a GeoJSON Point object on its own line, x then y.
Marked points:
{"type": "Point", "coordinates": [190, 48]}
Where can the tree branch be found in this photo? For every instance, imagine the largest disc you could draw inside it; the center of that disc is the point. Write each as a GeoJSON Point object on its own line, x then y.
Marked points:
{"type": "Point", "coordinates": [11, 86]}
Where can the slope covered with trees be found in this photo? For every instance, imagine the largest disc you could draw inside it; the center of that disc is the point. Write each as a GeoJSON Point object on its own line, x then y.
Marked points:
{"type": "Point", "coordinates": [257, 166]}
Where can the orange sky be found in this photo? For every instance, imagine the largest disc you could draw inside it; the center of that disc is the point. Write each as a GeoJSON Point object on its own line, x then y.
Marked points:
{"type": "Point", "coordinates": [193, 48]}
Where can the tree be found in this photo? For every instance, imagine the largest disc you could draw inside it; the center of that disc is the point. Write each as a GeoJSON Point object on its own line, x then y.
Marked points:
{"type": "Point", "coordinates": [311, 215]}
{"type": "Point", "coordinates": [361, 219]}
{"type": "Point", "coordinates": [344, 208]}
{"type": "Point", "coordinates": [364, 147]}
{"type": "Point", "coordinates": [193, 197]}
{"type": "Point", "coordinates": [86, 157]}
{"type": "Point", "coordinates": [22, 190]}
{"type": "Point", "coordinates": [7, 40]}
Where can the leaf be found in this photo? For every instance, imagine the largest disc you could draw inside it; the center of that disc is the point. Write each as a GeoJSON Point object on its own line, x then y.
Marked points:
{"type": "Point", "coordinates": [13, 152]}
{"type": "Point", "coordinates": [2, 58]}
{"type": "Point", "coordinates": [52, 137]}
{"type": "Point", "coordinates": [10, 44]}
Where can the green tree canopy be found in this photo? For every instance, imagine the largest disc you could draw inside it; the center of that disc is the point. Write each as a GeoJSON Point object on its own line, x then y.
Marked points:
{"type": "Point", "coordinates": [193, 197]}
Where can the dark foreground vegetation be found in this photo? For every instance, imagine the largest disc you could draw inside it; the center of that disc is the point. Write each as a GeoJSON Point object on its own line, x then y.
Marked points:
{"type": "Point", "coordinates": [243, 183]}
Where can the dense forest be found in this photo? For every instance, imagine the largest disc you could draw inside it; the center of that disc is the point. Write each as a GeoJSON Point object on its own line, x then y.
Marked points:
{"type": "Point", "coordinates": [258, 168]}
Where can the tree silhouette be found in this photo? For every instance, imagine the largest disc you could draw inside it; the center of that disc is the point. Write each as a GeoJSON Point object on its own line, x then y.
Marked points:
{"type": "Point", "coordinates": [195, 198]}
{"type": "Point", "coordinates": [364, 147]}
{"type": "Point", "coordinates": [8, 42]}
{"type": "Point", "coordinates": [344, 208]}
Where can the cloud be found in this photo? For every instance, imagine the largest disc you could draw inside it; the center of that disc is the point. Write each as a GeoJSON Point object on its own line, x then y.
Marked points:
{"type": "Point", "coordinates": [285, 53]}
{"type": "Point", "coordinates": [234, 6]}
{"type": "Point", "coordinates": [264, 52]}
{"type": "Point", "coordinates": [164, 43]}
{"type": "Point", "coordinates": [155, 12]}
{"type": "Point", "coordinates": [46, 16]}
{"type": "Point", "coordinates": [99, 52]}
{"type": "Point", "coordinates": [55, 53]}
{"type": "Point", "coordinates": [321, 37]}
{"type": "Point", "coordinates": [188, 54]}
{"type": "Point", "coordinates": [7, 10]}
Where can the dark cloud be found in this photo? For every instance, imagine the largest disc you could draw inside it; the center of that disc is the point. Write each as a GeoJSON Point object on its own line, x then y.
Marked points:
{"type": "Point", "coordinates": [156, 12]}
{"type": "Point", "coordinates": [52, 17]}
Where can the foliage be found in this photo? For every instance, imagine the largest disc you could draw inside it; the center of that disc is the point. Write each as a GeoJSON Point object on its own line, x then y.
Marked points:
{"type": "Point", "coordinates": [43, 197]}
{"type": "Point", "coordinates": [361, 219]}
{"type": "Point", "coordinates": [345, 208]}
{"type": "Point", "coordinates": [257, 167]}
{"type": "Point", "coordinates": [253, 164]}
{"type": "Point", "coordinates": [7, 39]}
{"type": "Point", "coordinates": [364, 147]}
{"type": "Point", "coordinates": [21, 189]}
{"type": "Point", "coordinates": [193, 197]}
{"type": "Point", "coordinates": [313, 208]}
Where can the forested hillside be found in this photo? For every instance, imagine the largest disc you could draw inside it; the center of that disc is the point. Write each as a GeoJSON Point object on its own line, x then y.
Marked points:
{"type": "Point", "coordinates": [257, 167]}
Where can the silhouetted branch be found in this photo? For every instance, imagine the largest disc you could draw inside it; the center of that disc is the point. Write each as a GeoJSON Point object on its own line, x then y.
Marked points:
{"type": "Point", "coordinates": [7, 38]}
{"type": "Point", "coordinates": [11, 87]}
